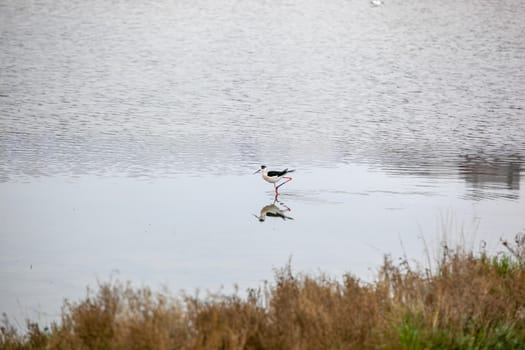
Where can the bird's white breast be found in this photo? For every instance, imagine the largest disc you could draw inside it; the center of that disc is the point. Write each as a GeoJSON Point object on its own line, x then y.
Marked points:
{"type": "Point", "coordinates": [270, 179]}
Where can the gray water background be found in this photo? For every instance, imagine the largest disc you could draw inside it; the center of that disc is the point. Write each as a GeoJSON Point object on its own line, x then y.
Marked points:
{"type": "Point", "coordinates": [129, 131]}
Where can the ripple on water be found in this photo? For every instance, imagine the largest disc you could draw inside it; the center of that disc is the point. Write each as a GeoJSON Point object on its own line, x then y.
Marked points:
{"type": "Point", "coordinates": [173, 88]}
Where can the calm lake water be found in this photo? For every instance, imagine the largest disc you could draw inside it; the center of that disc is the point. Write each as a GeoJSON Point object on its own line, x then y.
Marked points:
{"type": "Point", "coordinates": [129, 132]}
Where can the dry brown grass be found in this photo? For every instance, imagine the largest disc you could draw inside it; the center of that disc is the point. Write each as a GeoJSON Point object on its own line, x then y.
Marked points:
{"type": "Point", "coordinates": [468, 302]}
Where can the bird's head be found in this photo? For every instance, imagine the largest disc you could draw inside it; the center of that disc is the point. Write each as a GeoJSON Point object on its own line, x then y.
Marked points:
{"type": "Point", "coordinates": [262, 168]}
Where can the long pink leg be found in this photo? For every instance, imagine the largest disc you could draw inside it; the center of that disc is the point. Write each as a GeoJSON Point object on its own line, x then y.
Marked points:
{"type": "Point", "coordinates": [288, 179]}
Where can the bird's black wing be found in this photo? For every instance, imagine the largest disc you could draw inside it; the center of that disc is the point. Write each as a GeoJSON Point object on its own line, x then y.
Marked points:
{"type": "Point", "coordinates": [279, 173]}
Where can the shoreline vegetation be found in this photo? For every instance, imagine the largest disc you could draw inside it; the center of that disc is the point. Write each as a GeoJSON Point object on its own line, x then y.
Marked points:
{"type": "Point", "coordinates": [468, 301]}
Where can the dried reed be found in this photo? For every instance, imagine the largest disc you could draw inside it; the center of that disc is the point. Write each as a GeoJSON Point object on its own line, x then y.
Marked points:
{"type": "Point", "coordinates": [468, 302]}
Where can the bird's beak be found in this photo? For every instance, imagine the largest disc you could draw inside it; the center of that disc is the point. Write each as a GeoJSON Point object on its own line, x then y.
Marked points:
{"type": "Point", "coordinates": [256, 172]}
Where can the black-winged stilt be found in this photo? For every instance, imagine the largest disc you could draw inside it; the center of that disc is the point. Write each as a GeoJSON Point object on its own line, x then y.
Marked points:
{"type": "Point", "coordinates": [275, 176]}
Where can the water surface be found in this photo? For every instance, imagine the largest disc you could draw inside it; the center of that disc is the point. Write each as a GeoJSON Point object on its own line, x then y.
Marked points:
{"type": "Point", "coordinates": [129, 133]}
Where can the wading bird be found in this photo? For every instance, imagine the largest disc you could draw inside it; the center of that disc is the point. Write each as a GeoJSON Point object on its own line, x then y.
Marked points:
{"type": "Point", "coordinates": [275, 176]}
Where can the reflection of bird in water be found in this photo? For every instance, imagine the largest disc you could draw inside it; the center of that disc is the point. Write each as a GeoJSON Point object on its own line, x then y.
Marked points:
{"type": "Point", "coordinates": [274, 211]}
{"type": "Point", "coordinates": [376, 3]}
{"type": "Point", "coordinates": [275, 176]}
